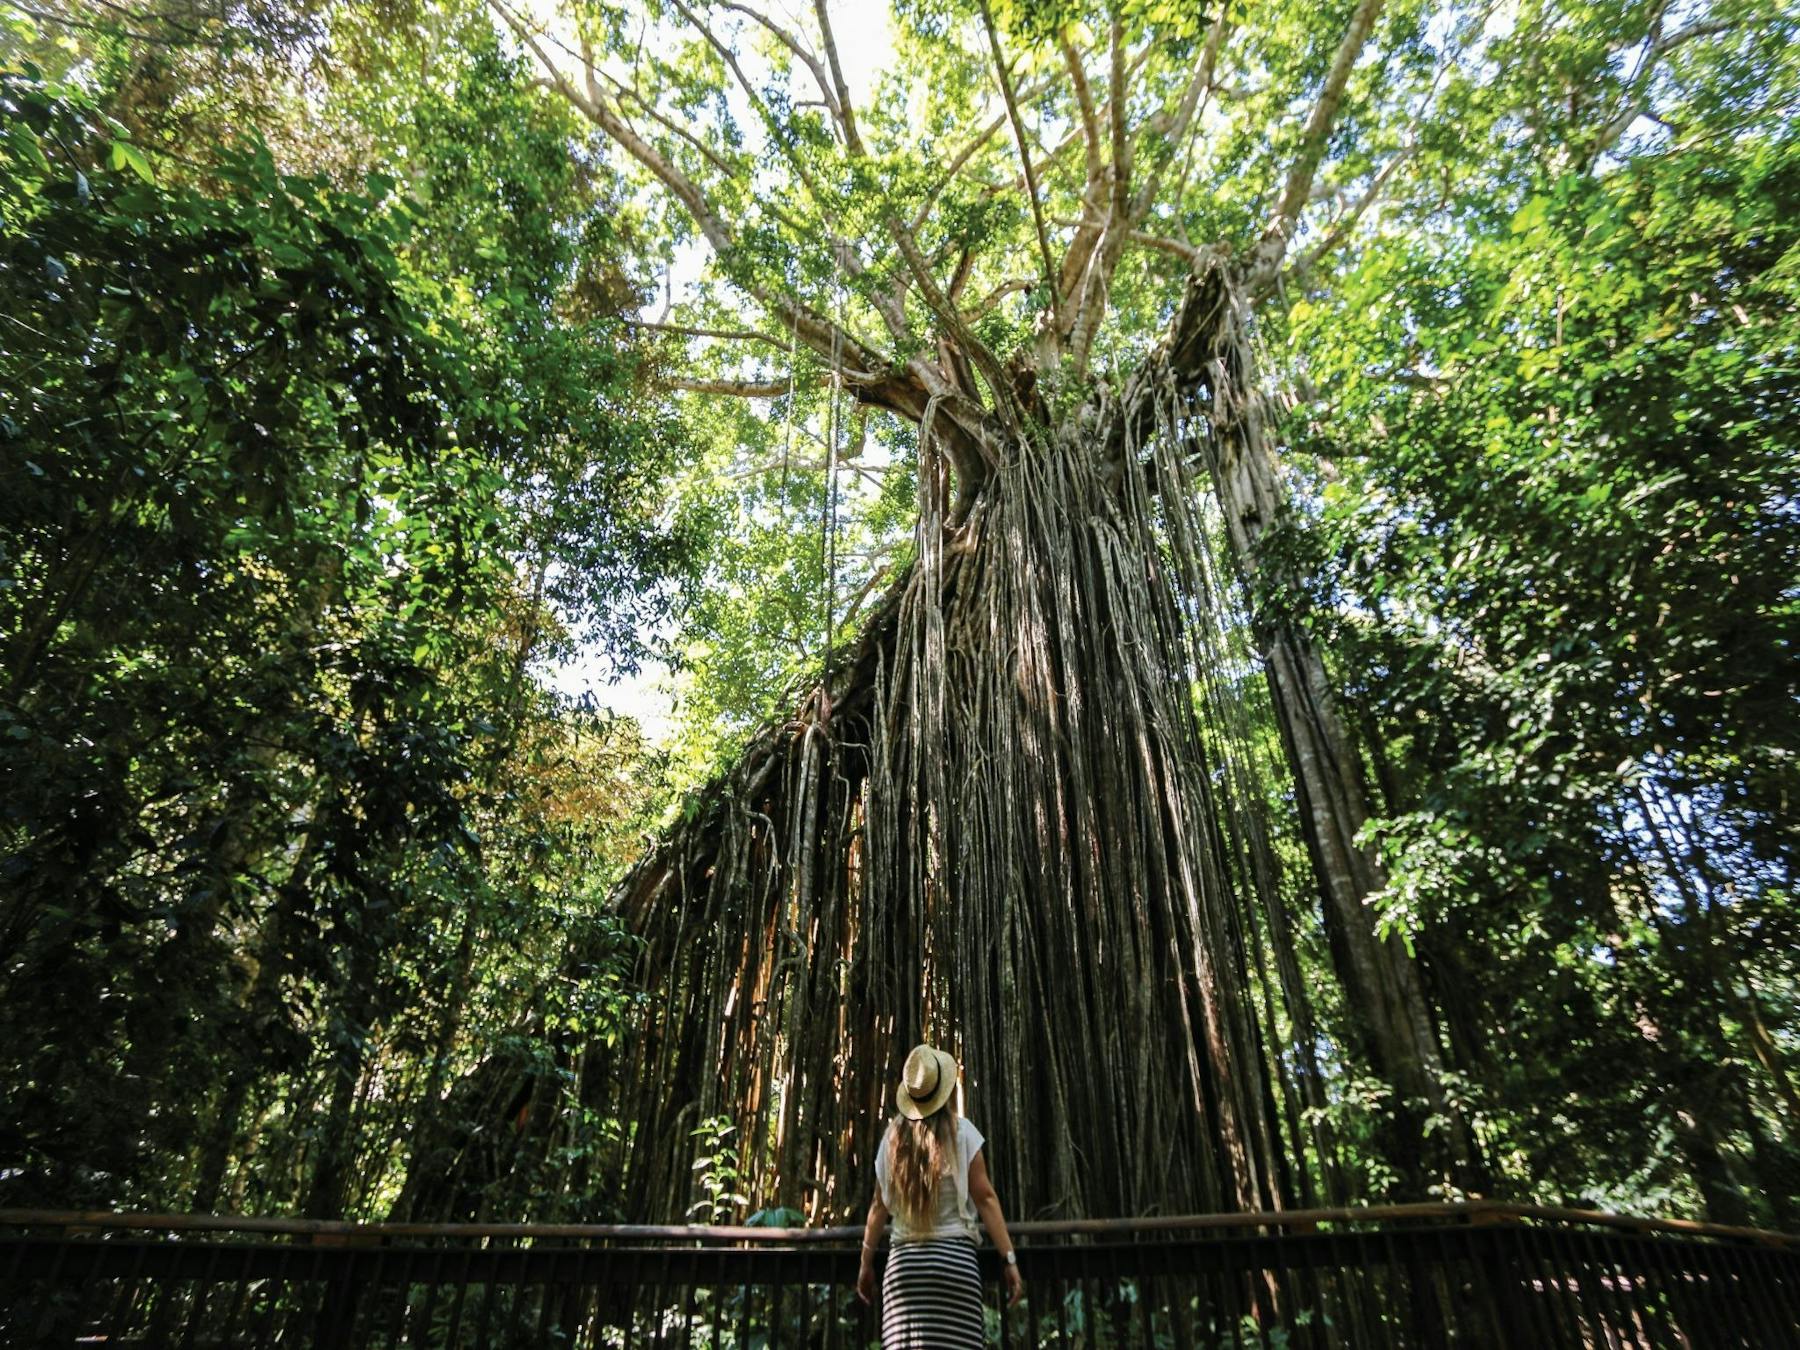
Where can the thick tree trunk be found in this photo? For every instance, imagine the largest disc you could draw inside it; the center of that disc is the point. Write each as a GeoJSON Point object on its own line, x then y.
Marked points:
{"type": "Point", "coordinates": [999, 831]}
{"type": "Point", "coordinates": [1380, 981]}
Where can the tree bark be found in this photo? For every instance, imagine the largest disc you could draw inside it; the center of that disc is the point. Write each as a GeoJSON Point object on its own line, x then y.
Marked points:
{"type": "Point", "coordinates": [1381, 982]}
{"type": "Point", "coordinates": [999, 828]}
{"type": "Point", "coordinates": [999, 831]}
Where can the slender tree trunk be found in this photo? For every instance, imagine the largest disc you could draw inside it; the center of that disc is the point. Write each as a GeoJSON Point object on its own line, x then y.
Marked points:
{"type": "Point", "coordinates": [426, 1121]}
{"type": "Point", "coordinates": [262, 1000]}
{"type": "Point", "coordinates": [1693, 1117]}
{"type": "Point", "coordinates": [336, 1146]}
{"type": "Point", "coordinates": [1699, 1095]}
{"type": "Point", "coordinates": [261, 1007]}
{"type": "Point", "coordinates": [1708, 955]}
{"type": "Point", "coordinates": [1381, 983]}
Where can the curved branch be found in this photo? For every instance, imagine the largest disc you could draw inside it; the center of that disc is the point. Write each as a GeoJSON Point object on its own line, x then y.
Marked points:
{"type": "Point", "coordinates": [1637, 95]}
{"type": "Point", "coordinates": [1084, 102]}
{"type": "Point", "coordinates": [1019, 138]}
{"type": "Point", "coordinates": [1188, 253]}
{"type": "Point", "coordinates": [668, 124]}
{"type": "Point", "coordinates": [960, 160]}
{"type": "Point", "coordinates": [1193, 102]}
{"type": "Point", "coordinates": [607, 118]}
{"type": "Point", "coordinates": [757, 101]}
{"type": "Point", "coordinates": [987, 302]}
{"type": "Point", "coordinates": [1272, 248]}
{"type": "Point", "coordinates": [846, 115]}
{"type": "Point", "coordinates": [794, 45]}
{"type": "Point", "coordinates": [905, 388]}
{"type": "Point", "coordinates": [1341, 227]}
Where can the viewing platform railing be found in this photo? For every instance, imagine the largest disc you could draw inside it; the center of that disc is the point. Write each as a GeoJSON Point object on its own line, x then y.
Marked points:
{"type": "Point", "coordinates": [1476, 1274]}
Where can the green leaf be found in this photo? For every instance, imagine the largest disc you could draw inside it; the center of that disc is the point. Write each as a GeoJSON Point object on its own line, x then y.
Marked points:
{"type": "Point", "coordinates": [25, 144]}
{"type": "Point", "coordinates": [125, 155]}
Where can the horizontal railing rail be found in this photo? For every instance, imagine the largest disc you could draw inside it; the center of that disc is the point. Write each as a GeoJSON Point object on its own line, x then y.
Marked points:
{"type": "Point", "coordinates": [1474, 1274]}
{"type": "Point", "coordinates": [1476, 1211]}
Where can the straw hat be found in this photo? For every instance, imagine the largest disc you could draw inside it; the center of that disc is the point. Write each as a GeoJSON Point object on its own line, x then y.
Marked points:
{"type": "Point", "coordinates": [926, 1083]}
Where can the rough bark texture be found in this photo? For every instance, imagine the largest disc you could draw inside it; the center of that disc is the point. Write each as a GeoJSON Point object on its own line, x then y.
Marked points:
{"type": "Point", "coordinates": [1024, 819]}
{"type": "Point", "coordinates": [1027, 791]}
{"type": "Point", "coordinates": [1380, 980]}
{"type": "Point", "coordinates": [1006, 827]}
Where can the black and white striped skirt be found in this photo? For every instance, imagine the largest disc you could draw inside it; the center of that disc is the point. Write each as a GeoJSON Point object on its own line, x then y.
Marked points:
{"type": "Point", "coordinates": [931, 1296]}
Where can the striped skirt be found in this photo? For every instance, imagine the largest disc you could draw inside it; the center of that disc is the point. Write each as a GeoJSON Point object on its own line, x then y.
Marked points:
{"type": "Point", "coordinates": [931, 1296]}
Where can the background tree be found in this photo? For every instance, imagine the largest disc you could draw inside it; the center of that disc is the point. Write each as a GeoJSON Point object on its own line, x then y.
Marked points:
{"type": "Point", "coordinates": [304, 481]}
{"type": "Point", "coordinates": [1585, 754]}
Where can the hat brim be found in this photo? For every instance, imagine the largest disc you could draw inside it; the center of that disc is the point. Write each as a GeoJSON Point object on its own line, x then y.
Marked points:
{"type": "Point", "coordinates": [917, 1108]}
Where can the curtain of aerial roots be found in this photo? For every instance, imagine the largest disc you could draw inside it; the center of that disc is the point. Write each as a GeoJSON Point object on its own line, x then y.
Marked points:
{"type": "Point", "coordinates": [1025, 826]}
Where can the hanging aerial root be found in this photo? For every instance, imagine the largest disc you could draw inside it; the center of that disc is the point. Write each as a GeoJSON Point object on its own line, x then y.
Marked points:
{"type": "Point", "coordinates": [1028, 830]}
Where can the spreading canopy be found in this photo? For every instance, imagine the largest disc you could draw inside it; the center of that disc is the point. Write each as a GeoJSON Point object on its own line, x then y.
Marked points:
{"type": "Point", "coordinates": [1017, 197]}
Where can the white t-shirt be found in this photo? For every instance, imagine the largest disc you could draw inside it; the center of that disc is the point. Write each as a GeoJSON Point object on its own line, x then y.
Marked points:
{"type": "Point", "coordinates": [956, 1216]}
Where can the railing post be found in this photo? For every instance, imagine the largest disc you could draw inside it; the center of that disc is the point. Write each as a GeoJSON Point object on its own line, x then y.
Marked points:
{"type": "Point", "coordinates": [337, 1314]}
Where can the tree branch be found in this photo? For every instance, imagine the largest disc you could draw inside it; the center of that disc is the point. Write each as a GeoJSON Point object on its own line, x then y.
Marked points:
{"type": "Point", "coordinates": [1084, 101]}
{"type": "Point", "coordinates": [813, 329]}
{"type": "Point", "coordinates": [906, 388]}
{"type": "Point", "coordinates": [962, 157]}
{"type": "Point", "coordinates": [846, 115]}
{"type": "Point", "coordinates": [1193, 100]}
{"type": "Point", "coordinates": [1272, 248]}
{"type": "Point", "coordinates": [995, 296]}
{"type": "Point", "coordinates": [668, 124]}
{"type": "Point", "coordinates": [794, 45]}
{"type": "Point", "coordinates": [733, 388]}
{"type": "Point", "coordinates": [955, 167]}
{"type": "Point", "coordinates": [960, 274]}
{"type": "Point", "coordinates": [739, 334]}
{"type": "Point", "coordinates": [757, 101]}
{"type": "Point", "coordinates": [1341, 227]}
{"type": "Point", "coordinates": [1118, 101]}
{"type": "Point", "coordinates": [939, 304]}
{"type": "Point", "coordinates": [1019, 138]}
{"type": "Point", "coordinates": [1637, 95]}
{"type": "Point", "coordinates": [1186, 252]}
{"type": "Point", "coordinates": [1094, 253]}
{"type": "Point", "coordinates": [712, 226]}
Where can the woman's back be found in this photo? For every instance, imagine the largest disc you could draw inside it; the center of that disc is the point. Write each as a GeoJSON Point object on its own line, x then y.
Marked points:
{"type": "Point", "coordinates": [953, 1214]}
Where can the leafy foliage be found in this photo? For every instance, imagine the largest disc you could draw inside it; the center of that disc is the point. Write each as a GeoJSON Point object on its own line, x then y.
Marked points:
{"type": "Point", "coordinates": [280, 517]}
{"type": "Point", "coordinates": [1530, 527]}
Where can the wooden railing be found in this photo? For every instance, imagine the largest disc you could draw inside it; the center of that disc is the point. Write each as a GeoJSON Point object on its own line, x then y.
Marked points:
{"type": "Point", "coordinates": [1477, 1274]}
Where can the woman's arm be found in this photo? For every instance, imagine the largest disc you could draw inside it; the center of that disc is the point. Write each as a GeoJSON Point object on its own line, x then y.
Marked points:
{"type": "Point", "coordinates": [987, 1204]}
{"type": "Point", "coordinates": [877, 1220]}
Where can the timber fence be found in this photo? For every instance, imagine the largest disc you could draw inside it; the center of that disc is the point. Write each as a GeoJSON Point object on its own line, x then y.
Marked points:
{"type": "Point", "coordinates": [1476, 1274]}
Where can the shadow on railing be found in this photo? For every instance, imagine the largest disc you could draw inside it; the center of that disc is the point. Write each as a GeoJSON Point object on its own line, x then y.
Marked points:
{"type": "Point", "coordinates": [1477, 1274]}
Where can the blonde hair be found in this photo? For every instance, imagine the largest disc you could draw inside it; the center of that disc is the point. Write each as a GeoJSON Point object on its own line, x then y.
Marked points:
{"type": "Point", "coordinates": [920, 1153]}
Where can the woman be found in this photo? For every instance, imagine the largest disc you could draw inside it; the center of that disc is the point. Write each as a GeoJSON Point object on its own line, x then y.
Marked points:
{"type": "Point", "coordinates": [931, 1176]}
